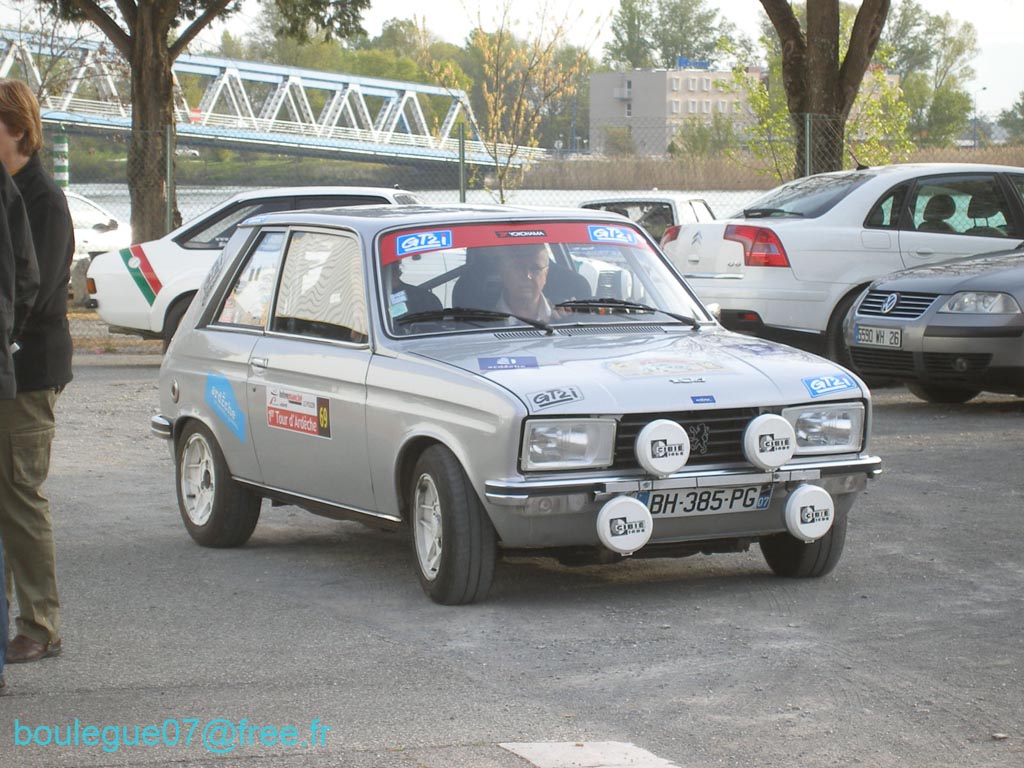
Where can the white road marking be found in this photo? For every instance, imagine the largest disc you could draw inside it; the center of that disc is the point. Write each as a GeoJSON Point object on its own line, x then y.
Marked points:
{"type": "Point", "coordinates": [587, 754]}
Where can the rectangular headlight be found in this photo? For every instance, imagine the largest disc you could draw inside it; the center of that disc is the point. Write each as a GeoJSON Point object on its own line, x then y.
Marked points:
{"type": "Point", "coordinates": [827, 428]}
{"type": "Point", "coordinates": [982, 303]}
{"type": "Point", "coordinates": [568, 444]}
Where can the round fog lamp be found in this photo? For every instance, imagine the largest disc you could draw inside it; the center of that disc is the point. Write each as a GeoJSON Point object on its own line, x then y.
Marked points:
{"type": "Point", "coordinates": [769, 441]}
{"type": "Point", "coordinates": [810, 512]}
{"type": "Point", "coordinates": [662, 447]}
{"type": "Point", "coordinates": [624, 525]}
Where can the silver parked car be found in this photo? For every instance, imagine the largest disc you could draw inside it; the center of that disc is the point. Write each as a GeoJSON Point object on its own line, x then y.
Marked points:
{"type": "Point", "coordinates": [501, 380]}
{"type": "Point", "coordinates": [949, 331]}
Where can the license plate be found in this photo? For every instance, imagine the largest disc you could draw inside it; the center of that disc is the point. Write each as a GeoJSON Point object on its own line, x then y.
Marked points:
{"type": "Point", "coordinates": [871, 336]}
{"type": "Point", "coordinates": [691, 502]}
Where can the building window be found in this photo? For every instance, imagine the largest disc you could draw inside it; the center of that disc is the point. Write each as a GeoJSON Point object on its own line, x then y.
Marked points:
{"type": "Point", "coordinates": [693, 83]}
{"type": "Point", "coordinates": [675, 83]}
{"type": "Point", "coordinates": [705, 83]}
{"type": "Point", "coordinates": [691, 106]}
{"type": "Point", "coordinates": [629, 109]}
{"type": "Point", "coordinates": [705, 106]}
{"type": "Point", "coordinates": [675, 107]}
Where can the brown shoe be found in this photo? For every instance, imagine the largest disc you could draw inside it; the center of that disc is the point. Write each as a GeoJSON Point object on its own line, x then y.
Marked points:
{"type": "Point", "coordinates": [3, 686]}
{"type": "Point", "coordinates": [24, 648]}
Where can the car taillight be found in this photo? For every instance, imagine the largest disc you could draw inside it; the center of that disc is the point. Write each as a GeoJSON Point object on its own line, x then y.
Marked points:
{"type": "Point", "coordinates": [761, 246]}
{"type": "Point", "coordinates": [670, 234]}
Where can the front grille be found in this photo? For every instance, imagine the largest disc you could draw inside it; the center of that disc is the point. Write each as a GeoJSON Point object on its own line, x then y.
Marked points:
{"type": "Point", "coordinates": [908, 305]}
{"type": "Point", "coordinates": [716, 437]}
{"type": "Point", "coordinates": [945, 367]}
{"type": "Point", "coordinates": [890, 361]}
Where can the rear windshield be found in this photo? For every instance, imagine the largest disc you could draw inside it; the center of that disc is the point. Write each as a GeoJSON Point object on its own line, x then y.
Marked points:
{"type": "Point", "coordinates": [808, 197]}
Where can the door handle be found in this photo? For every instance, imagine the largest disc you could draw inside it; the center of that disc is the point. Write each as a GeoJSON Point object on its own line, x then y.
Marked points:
{"type": "Point", "coordinates": [259, 362]}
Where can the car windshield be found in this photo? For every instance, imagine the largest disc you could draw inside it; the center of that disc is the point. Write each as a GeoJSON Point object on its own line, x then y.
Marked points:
{"type": "Point", "coordinates": [545, 275]}
{"type": "Point", "coordinates": [808, 197]}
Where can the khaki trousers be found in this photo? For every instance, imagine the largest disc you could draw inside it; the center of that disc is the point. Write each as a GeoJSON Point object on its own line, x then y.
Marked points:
{"type": "Point", "coordinates": [26, 433]}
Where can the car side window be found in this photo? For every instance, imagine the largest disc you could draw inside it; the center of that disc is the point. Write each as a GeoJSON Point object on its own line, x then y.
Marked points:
{"type": "Point", "coordinates": [322, 290]}
{"type": "Point", "coordinates": [887, 211]}
{"type": "Point", "coordinates": [337, 201]}
{"type": "Point", "coordinates": [247, 302]}
{"type": "Point", "coordinates": [965, 205]}
{"type": "Point", "coordinates": [214, 233]}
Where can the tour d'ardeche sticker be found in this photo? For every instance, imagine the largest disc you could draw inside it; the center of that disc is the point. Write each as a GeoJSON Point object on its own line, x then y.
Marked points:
{"type": "Point", "coordinates": [297, 411]}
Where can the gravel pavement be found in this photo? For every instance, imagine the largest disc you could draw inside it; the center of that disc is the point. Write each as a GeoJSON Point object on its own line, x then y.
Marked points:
{"type": "Point", "coordinates": [910, 654]}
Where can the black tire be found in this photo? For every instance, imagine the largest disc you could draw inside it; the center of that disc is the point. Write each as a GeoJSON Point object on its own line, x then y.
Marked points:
{"type": "Point", "coordinates": [453, 540]}
{"type": "Point", "coordinates": [935, 393]}
{"type": "Point", "coordinates": [173, 317]}
{"type": "Point", "coordinates": [836, 347]}
{"type": "Point", "coordinates": [217, 511]}
{"type": "Point", "coordinates": [787, 556]}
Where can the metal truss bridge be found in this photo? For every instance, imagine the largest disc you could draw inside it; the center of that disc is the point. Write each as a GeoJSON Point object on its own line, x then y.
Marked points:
{"type": "Point", "coordinates": [249, 105]}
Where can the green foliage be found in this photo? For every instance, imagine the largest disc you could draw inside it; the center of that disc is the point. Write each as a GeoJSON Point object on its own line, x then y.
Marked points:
{"type": "Point", "coordinates": [699, 138]}
{"type": "Point", "coordinates": [618, 140]}
{"type": "Point", "coordinates": [632, 30]}
{"type": "Point", "coordinates": [1012, 120]}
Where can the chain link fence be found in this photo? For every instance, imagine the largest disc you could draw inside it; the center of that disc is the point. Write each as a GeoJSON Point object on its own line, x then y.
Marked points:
{"type": "Point", "coordinates": [725, 160]}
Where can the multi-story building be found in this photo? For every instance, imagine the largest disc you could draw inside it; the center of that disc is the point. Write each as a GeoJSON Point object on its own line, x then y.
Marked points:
{"type": "Point", "coordinates": [652, 105]}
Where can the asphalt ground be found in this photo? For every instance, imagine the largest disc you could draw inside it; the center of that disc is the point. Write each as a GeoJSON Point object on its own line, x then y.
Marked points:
{"type": "Point", "coordinates": [910, 653]}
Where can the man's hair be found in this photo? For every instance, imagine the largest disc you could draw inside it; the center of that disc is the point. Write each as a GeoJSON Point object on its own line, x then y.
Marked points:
{"type": "Point", "coordinates": [19, 111]}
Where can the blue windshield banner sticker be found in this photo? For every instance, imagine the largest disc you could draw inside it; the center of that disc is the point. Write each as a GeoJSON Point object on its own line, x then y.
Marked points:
{"type": "Point", "coordinates": [423, 241]}
{"type": "Point", "coordinates": [702, 399]}
{"type": "Point", "coordinates": [506, 363]}
{"type": "Point", "coordinates": [604, 233]}
{"type": "Point", "coordinates": [221, 399]}
{"type": "Point", "coordinates": [819, 386]}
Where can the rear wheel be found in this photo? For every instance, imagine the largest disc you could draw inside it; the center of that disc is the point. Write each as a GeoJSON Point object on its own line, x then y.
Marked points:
{"type": "Point", "coordinates": [217, 511]}
{"type": "Point", "coordinates": [934, 393]}
{"type": "Point", "coordinates": [786, 555]}
{"type": "Point", "coordinates": [453, 539]}
{"type": "Point", "coordinates": [173, 317]}
{"type": "Point", "coordinates": [836, 347]}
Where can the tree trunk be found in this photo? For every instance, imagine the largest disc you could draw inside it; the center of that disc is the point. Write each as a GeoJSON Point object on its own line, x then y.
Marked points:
{"type": "Point", "coordinates": [819, 90]}
{"type": "Point", "coordinates": [153, 110]}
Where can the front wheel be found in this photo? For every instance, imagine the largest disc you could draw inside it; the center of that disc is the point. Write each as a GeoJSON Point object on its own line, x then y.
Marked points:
{"type": "Point", "coordinates": [453, 539]}
{"type": "Point", "coordinates": [786, 555]}
{"type": "Point", "coordinates": [934, 393]}
{"type": "Point", "coordinates": [217, 511]}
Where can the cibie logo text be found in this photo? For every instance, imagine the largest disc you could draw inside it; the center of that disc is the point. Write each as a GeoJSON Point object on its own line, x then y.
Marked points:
{"type": "Point", "coordinates": [620, 526]}
{"type": "Point", "coordinates": [811, 514]}
{"type": "Point", "coordinates": [770, 443]}
{"type": "Point", "coordinates": [661, 449]}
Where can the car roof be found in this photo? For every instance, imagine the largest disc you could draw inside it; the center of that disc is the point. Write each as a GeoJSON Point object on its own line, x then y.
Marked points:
{"type": "Point", "coordinates": [643, 196]}
{"type": "Point", "coordinates": [370, 219]}
{"type": "Point", "coordinates": [312, 191]}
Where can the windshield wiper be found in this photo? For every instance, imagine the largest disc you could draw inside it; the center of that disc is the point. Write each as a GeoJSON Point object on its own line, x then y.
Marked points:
{"type": "Point", "coordinates": [468, 313]}
{"type": "Point", "coordinates": [757, 213]}
{"type": "Point", "coordinates": [610, 303]}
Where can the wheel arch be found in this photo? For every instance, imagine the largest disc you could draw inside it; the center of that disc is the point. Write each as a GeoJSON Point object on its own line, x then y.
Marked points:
{"type": "Point", "coordinates": [404, 466]}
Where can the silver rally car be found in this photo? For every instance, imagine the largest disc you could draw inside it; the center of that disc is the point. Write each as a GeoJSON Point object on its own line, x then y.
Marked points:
{"type": "Point", "coordinates": [502, 380]}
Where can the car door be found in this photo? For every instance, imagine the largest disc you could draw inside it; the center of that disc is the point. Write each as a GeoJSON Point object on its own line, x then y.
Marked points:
{"type": "Point", "coordinates": [955, 215]}
{"type": "Point", "coordinates": [307, 377]}
{"type": "Point", "coordinates": [225, 343]}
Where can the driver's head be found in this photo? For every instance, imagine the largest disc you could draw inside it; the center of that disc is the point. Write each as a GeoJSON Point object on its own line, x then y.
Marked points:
{"type": "Point", "coordinates": [524, 271]}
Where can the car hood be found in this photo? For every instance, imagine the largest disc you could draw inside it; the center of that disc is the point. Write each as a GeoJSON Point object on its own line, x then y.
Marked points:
{"type": "Point", "coordinates": [1000, 271]}
{"type": "Point", "coordinates": [644, 372]}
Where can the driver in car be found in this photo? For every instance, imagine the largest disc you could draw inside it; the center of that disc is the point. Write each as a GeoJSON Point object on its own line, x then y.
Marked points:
{"type": "Point", "coordinates": [524, 272]}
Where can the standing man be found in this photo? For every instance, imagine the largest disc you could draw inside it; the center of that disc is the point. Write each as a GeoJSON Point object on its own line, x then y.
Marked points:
{"type": "Point", "coordinates": [42, 366]}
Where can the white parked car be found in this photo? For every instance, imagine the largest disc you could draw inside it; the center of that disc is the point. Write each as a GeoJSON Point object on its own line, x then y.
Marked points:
{"type": "Point", "coordinates": [660, 213]}
{"type": "Point", "coordinates": [96, 229]}
{"type": "Point", "coordinates": [145, 289]}
{"type": "Point", "coordinates": [792, 263]}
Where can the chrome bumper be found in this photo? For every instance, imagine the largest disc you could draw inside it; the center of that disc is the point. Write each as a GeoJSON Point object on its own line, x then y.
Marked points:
{"type": "Point", "coordinates": [161, 426]}
{"type": "Point", "coordinates": [516, 493]}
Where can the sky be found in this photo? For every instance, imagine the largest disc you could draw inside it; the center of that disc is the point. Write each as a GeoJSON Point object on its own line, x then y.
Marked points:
{"type": "Point", "coordinates": [999, 77]}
